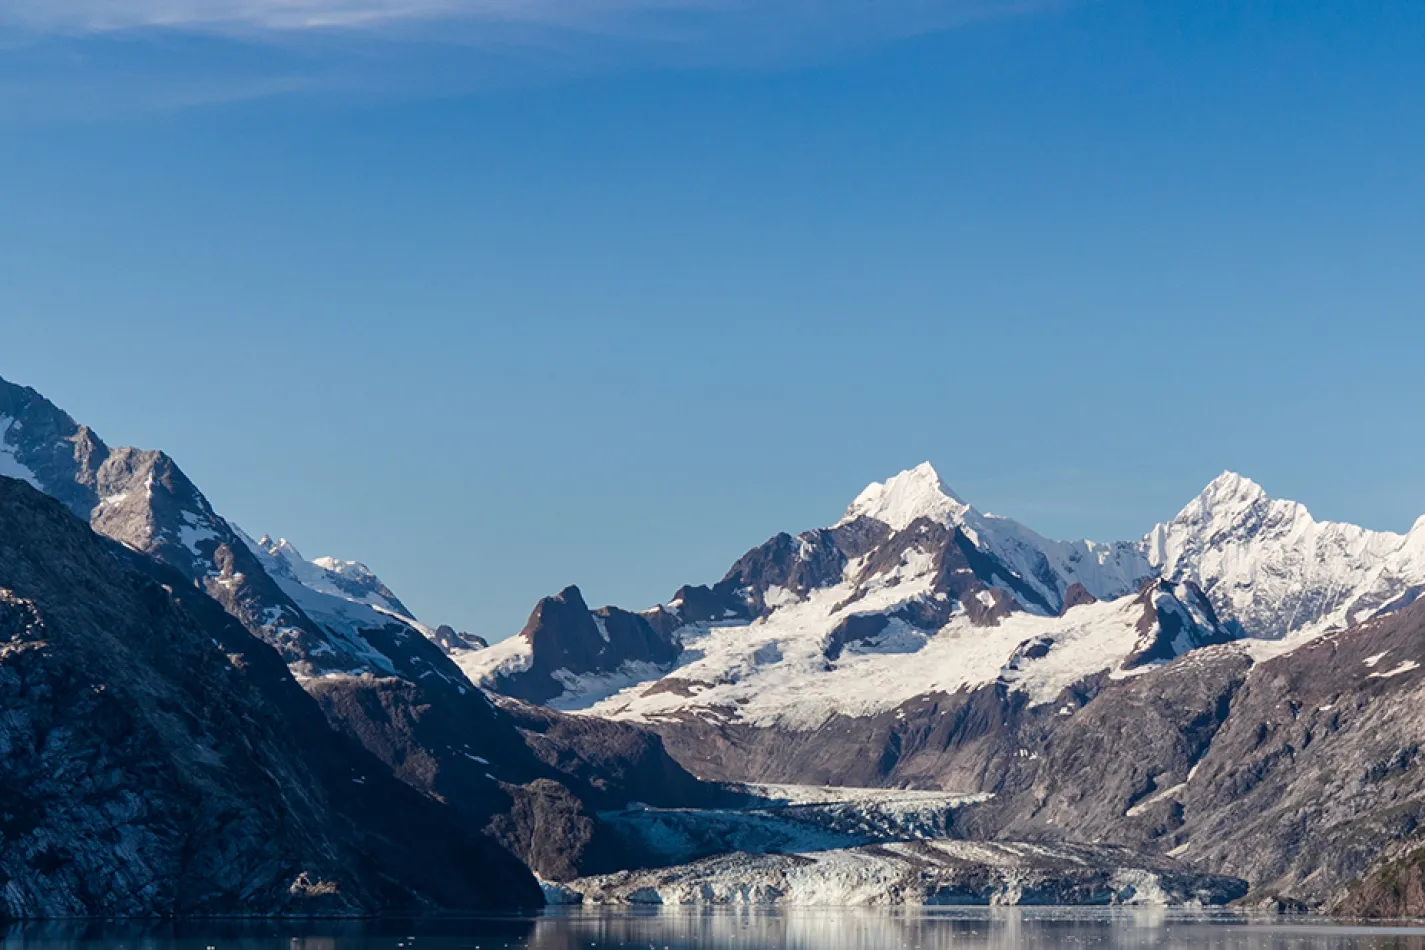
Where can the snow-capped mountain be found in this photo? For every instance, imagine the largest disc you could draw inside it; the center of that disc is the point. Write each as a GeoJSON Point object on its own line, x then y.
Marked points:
{"type": "Point", "coordinates": [343, 596]}
{"type": "Point", "coordinates": [1049, 567]}
{"type": "Point", "coordinates": [1264, 563]}
{"type": "Point", "coordinates": [349, 580]}
{"type": "Point", "coordinates": [1239, 688]}
{"type": "Point", "coordinates": [1277, 571]}
{"type": "Point", "coordinates": [916, 592]}
{"type": "Point", "coordinates": [911, 592]}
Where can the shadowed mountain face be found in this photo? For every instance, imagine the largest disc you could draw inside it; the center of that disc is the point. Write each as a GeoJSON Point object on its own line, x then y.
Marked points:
{"type": "Point", "coordinates": [382, 680]}
{"type": "Point", "coordinates": [160, 760]}
{"type": "Point", "coordinates": [565, 640]}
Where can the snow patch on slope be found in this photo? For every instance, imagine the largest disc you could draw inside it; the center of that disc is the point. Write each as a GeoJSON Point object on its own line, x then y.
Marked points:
{"type": "Point", "coordinates": [342, 616]}
{"type": "Point", "coordinates": [10, 466]}
{"type": "Point", "coordinates": [511, 656]}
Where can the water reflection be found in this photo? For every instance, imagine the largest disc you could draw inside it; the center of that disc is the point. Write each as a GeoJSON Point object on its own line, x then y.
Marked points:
{"type": "Point", "coordinates": [970, 929]}
{"type": "Point", "coordinates": [739, 929]}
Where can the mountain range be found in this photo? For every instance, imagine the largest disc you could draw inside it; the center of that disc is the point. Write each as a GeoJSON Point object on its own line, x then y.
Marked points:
{"type": "Point", "coordinates": [914, 591]}
{"type": "Point", "coordinates": [1234, 693]}
{"type": "Point", "coordinates": [1242, 666]}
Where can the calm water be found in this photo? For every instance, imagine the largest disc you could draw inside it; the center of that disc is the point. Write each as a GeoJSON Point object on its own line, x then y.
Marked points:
{"type": "Point", "coordinates": [742, 930]}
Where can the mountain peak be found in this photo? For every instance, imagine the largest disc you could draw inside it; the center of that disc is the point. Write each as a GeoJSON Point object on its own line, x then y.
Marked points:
{"type": "Point", "coordinates": [1234, 485]}
{"type": "Point", "coordinates": [915, 493]}
{"type": "Point", "coordinates": [1226, 498]}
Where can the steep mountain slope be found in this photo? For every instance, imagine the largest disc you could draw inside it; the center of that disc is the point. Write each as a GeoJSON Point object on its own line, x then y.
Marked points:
{"type": "Point", "coordinates": [144, 501]}
{"type": "Point", "coordinates": [160, 760]}
{"type": "Point", "coordinates": [382, 679]}
{"type": "Point", "coordinates": [1298, 773]}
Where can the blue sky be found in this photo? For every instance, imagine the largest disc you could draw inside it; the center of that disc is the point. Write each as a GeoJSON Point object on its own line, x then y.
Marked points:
{"type": "Point", "coordinates": [501, 297]}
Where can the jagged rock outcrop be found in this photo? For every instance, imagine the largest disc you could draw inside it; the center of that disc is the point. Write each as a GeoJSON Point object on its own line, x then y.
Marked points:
{"type": "Point", "coordinates": [1177, 619]}
{"type": "Point", "coordinates": [452, 641]}
{"type": "Point", "coordinates": [566, 646]}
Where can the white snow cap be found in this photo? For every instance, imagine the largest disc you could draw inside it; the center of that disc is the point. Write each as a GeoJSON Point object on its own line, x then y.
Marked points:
{"type": "Point", "coordinates": [1229, 492]}
{"type": "Point", "coordinates": [914, 493]}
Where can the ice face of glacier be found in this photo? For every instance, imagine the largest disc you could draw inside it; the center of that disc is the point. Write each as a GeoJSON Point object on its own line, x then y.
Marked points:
{"type": "Point", "coordinates": [916, 873]}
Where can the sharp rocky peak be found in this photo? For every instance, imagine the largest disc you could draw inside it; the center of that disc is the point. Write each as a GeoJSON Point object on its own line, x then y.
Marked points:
{"type": "Point", "coordinates": [1234, 502]}
{"type": "Point", "coordinates": [1227, 494]}
{"type": "Point", "coordinates": [902, 499]}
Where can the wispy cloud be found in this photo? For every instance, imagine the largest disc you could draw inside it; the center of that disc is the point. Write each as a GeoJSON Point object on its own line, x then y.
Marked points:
{"type": "Point", "coordinates": [175, 53]}
{"type": "Point", "coordinates": [103, 16]}
{"type": "Point", "coordinates": [294, 16]}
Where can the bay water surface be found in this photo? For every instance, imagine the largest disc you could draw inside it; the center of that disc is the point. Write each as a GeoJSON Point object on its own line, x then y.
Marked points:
{"type": "Point", "coordinates": [741, 929]}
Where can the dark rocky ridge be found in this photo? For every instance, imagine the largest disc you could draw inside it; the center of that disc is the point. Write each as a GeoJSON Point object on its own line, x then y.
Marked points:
{"type": "Point", "coordinates": [800, 564]}
{"type": "Point", "coordinates": [535, 779]}
{"type": "Point", "coordinates": [450, 640]}
{"type": "Point", "coordinates": [160, 760]}
{"type": "Point", "coordinates": [566, 637]}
